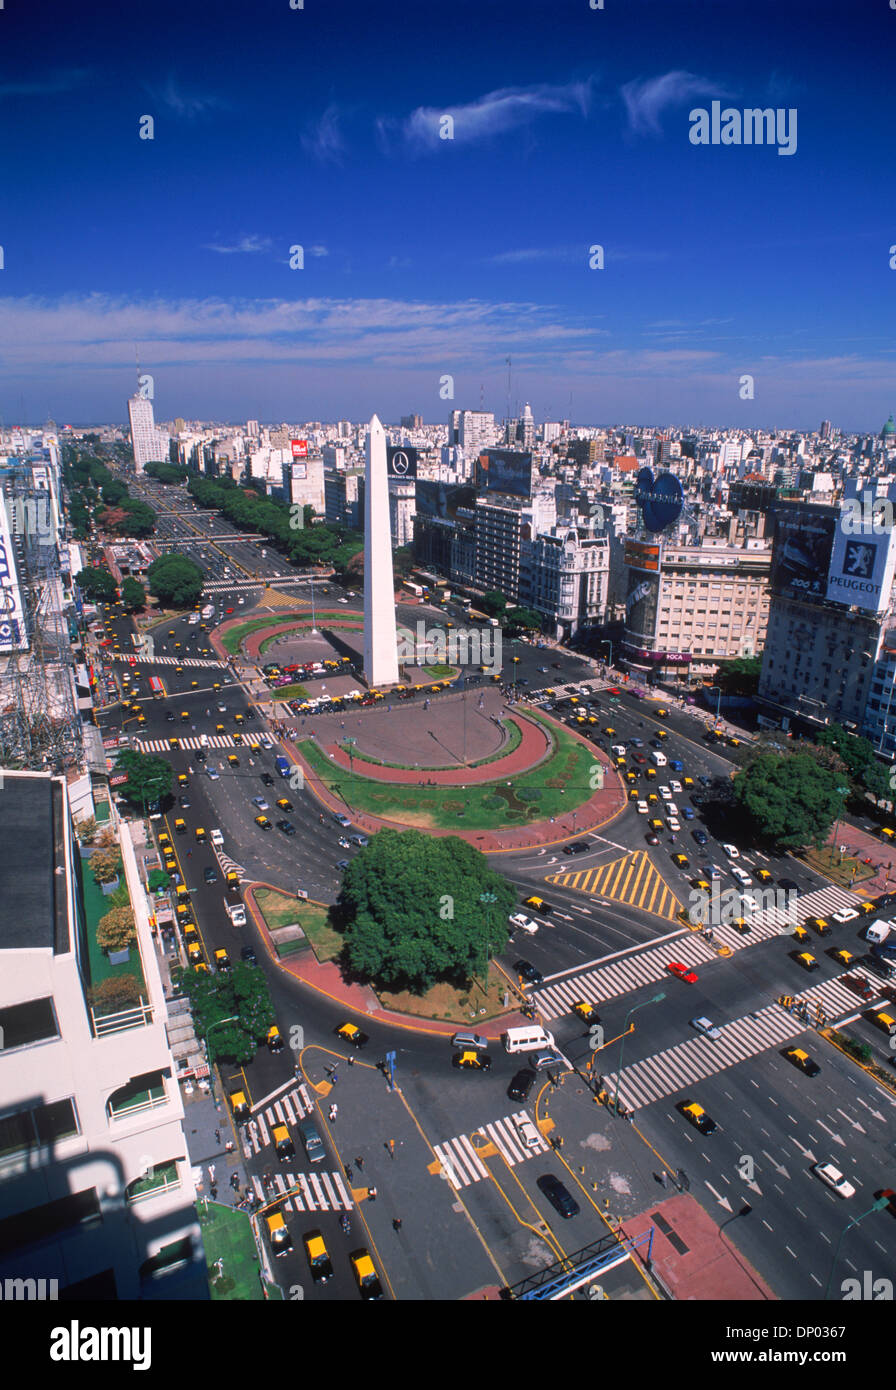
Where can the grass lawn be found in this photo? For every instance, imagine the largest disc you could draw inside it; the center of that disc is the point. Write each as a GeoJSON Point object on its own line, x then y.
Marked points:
{"type": "Point", "coordinates": [232, 639]}
{"type": "Point", "coordinates": [440, 672]}
{"type": "Point", "coordinates": [227, 1235]}
{"type": "Point", "coordinates": [469, 1005]}
{"type": "Point", "coordinates": [281, 910]}
{"type": "Point", "coordinates": [847, 874]}
{"type": "Point", "coordinates": [560, 783]}
{"type": "Point", "coordinates": [288, 692]}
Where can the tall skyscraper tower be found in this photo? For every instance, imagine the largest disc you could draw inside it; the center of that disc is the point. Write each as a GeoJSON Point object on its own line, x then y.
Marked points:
{"type": "Point", "coordinates": [149, 444]}
{"type": "Point", "coordinates": [380, 653]}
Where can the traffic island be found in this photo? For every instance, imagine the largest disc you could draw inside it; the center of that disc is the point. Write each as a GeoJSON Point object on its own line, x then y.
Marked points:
{"type": "Point", "coordinates": [231, 1256]}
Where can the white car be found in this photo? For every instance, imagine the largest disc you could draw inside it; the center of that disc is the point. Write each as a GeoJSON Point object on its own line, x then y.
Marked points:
{"type": "Point", "coordinates": [521, 922]}
{"type": "Point", "coordinates": [742, 876]}
{"type": "Point", "coordinates": [212, 773]}
{"type": "Point", "coordinates": [619, 750]}
{"type": "Point", "coordinates": [732, 851]}
{"type": "Point", "coordinates": [671, 810]}
{"type": "Point", "coordinates": [665, 793]}
{"type": "Point", "coordinates": [847, 914]}
{"type": "Point", "coordinates": [527, 1133]}
{"type": "Point", "coordinates": [706, 1027]}
{"type": "Point", "coordinates": [643, 808]}
{"type": "Point", "coordinates": [834, 1179]}
{"type": "Point", "coordinates": [673, 825]}
{"type": "Point", "coordinates": [676, 788]}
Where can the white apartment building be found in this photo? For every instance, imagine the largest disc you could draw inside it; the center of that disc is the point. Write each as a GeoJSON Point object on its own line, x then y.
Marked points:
{"type": "Point", "coordinates": [97, 1187]}
{"type": "Point", "coordinates": [565, 576]}
{"type": "Point", "coordinates": [149, 444]}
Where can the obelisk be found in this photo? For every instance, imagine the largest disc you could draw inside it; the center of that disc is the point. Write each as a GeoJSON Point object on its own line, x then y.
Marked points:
{"type": "Point", "coordinates": [380, 655]}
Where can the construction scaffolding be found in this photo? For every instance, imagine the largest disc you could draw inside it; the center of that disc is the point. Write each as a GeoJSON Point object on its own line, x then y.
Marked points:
{"type": "Point", "coordinates": [40, 724]}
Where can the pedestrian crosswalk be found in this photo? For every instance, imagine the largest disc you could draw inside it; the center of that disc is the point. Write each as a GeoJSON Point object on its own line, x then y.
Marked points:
{"type": "Point", "coordinates": [461, 1157]}
{"type": "Point", "coordinates": [138, 659]}
{"type": "Point", "coordinates": [646, 967]}
{"type": "Point", "coordinates": [189, 745]}
{"type": "Point", "coordinates": [680, 1067]}
{"type": "Point", "coordinates": [288, 1110]}
{"type": "Point", "coordinates": [307, 1191]}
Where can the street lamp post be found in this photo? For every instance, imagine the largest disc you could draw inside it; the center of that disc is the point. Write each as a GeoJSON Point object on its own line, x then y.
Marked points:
{"type": "Point", "coordinates": [853, 1221]}
{"type": "Point", "coordinates": [605, 642]}
{"type": "Point", "coordinates": [841, 792]}
{"type": "Point", "coordinates": [718, 690]}
{"type": "Point", "coordinates": [654, 1000]}
{"type": "Point", "coordinates": [234, 1018]}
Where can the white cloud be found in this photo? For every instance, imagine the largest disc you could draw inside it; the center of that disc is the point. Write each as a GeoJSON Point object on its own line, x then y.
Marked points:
{"type": "Point", "coordinates": [493, 114]}
{"type": "Point", "coordinates": [188, 105]}
{"type": "Point", "coordinates": [647, 99]}
{"type": "Point", "coordinates": [323, 139]}
{"type": "Point", "coordinates": [250, 245]}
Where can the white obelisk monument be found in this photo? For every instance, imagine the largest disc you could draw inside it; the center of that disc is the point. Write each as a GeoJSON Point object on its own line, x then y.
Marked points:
{"type": "Point", "coordinates": [380, 654]}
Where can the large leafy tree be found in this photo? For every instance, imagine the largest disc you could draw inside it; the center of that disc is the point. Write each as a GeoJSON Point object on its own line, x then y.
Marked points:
{"type": "Point", "coordinates": [166, 472]}
{"type": "Point", "coordinates": [97, 583]}
{"type": "Point", "coordinates": [240, 995]}
{"type": "Point", "coordinates": [740, 676]}
{"type": "Point", "coordinates": [149, 777]}
{"type": "Point", "coordinates": [133, 594]}
{"type": "Point", "coordinates": [417, 909]}
{"type": "Point", "coordinates": [522, 620]}
{"type": "Point", "coordinates": [175, 580]}
{"type": "Point", "coordinates": [493, 603]}
{"type": "Point", "coordinates": [791, 801]}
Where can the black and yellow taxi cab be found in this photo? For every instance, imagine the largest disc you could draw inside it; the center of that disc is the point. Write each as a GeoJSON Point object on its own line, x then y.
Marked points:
{"type": "Point", "coordinates": [183, 780]}
{"type": "Point", "coordinates": [219, 729]}
{"type": "Point", "coordinates": [842, 956]}
{"type": "Point", "coordinates": [687, 782]}
{"type": "Point", "coordinates": [185, 716]}
{"type": "Point", "coordinates": [164, 839]}
{"type": "Point", "coordinates": [697, 1116]}
{"type": "Point", "coordinates": [194, 685]}
{"type": "Point", "coordinates": [171, 632]}
{"type": "Point", "coordinates": [652, 799]}
{"type": "Point", "coordinates": [194, 953]}
{"type": "Point", "coordinates": [586, 1011]}
{"type": "Point", "coordinates": [239, 718]}
{"type": "Point", "coordinates": [650, 773]}
{"type": "Point", "coordinates": [350, 1033]}
{"type": "Point", "coordinates": [284, 803]}
{"type": "Point", "coordinates": [174, 742]}
{"type": "Point", "coordinates": [656, 825]}
{"type": "Point", "coordinates": [141, 717]}
{"type": "Point", "coordinates": [702, 885]}
{"type": "Point", "coordinates": [469, 1059]}
{"type": "Point", "coordinates": [610, 731]}
{"type": "Point", "coordinates": [820, 925]}
{"type": "Point", "coordinates": [180, 826]}
{"type": "Point", "coordinates": [365, 1274]}
{"type": "Point", "coordinates": [181, 893]}
{"type": "Point", "coordinates": [887, 834]}
{"type": "Point", "coordinates": [742, 925]}
{"type": "Point", "coordinates": [262, 822]}
{"type": "Point", "coordinates": [763, 875]}
{"type": "Point", "coordinates": [634, 794]}
{"type": "Point", "coordinates": [800, 934]}
{"type": "Point", "coordinates": [274, 1039]}
{"type": "Point", "coordinates": [801, 1060]}
{"type": "Point", "coordinates": [216, 685]}
{"type": "Point", "coordinates": [283, 1143]}
{"type": "Point", "coordinates": [318, 1260]}
{"type": "Point", "coordinates": [662, 733]}
{"type": "Point", "coordinates": [681, 861]}
{"type": "Point", "coordinates": [278, 1234]}
{"type": "Point", "coordinates": [222, 959]}
{"type": "Point", "coordinates": [866, 908]}
{"type": "Point", "coordinates": [177, 646]}
{"type": "Point", "coordinates": [200, 834]}
{"type": "Point", "coordinates": [662, 713]}
{"type": "Point", "coordinates": [255, 749]}
{"type": "Point", "coordinates": [807, 960]}
{"type": "Point", "coordinates": [233, 760]}
{"type": "Point", "coordinates": [886, 1022]}
{"type": "Point", "coordinates": [178, 670]}
{"type": "Point", "coordinates": [239, 1105]}
{"type": "Point", "coordinates": [537, 904]}
{"type": "Point", "coordinates": [237, 737]}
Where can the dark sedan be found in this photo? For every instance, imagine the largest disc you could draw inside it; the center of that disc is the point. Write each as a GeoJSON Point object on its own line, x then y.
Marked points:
{"type": "Point", "coordinates": [577, 847]}
{"type": "Point", "coordinates": [529, 972]}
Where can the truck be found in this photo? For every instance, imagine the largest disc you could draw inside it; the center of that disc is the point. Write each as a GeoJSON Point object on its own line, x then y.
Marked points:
{"type": "Point", "coordinates": [236, 912]}
{"type": "Point", "coordinates": [282, 765]}
{"type": "Point", "coordinates": [193, 619]}
{"type": "Point", "coordinates": [657, 758]}
{"type": "Point", "coordinates": [878, 932]}
{"type": "Point", "coordinates": [208, 611]}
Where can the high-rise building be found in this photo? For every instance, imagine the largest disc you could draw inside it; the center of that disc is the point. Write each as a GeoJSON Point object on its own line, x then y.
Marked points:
{"type": "Point", "coordinates": [149, 444]}
{"type": "Point", "coordinates": [825, 430]}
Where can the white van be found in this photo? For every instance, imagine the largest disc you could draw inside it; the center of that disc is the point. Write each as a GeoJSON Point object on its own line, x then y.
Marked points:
{"type": "Point", "coordinates": [877, 932]}
{"type": "Point", "coordinates": [528, 1039]}
{"type": "Point", "coordinates": [657, 758]}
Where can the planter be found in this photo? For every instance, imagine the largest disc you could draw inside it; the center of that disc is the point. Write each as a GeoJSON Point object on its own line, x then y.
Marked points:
{"type": "Point", "coordinates": [119, 957]}
{"type": "Point", "coordinates": [111, 886]}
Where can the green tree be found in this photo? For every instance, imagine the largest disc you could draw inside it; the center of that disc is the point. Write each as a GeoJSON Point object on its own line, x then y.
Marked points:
{"type": "Point", "coordinates": [149, 777]}
{"type": "Point", "coordinates": [175, 580]}
{"type": "Point", "coordinates": [105, 864]}
{"type": "Point", "coordinates": [741, 676]}
{"type": "Point", "coordinates": [522, 620]}
{"type": "Point", "coordinates": [133, 594]}
{"type": "Point", "coordinates": [492, 604]}
{"type": "Point", "coordinates": [416, 909]}
{"type": "Point", "coordinates": [115, 993]}
{"type": "Point", "coordinates": [791, 801]}
{"type": "Point", "coordinates": [116, 929]}
{"type": "Point", "coordinates": [166, 472]}
{"type": "Point", "coordinates": [97, 583]}
{"type": "Point", "coordinates": [241, 994]}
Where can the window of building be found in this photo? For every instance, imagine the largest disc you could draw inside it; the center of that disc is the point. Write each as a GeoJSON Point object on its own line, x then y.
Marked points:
{"type": "Point", "coordinates": [42, 1125]}
{"type": "Point", "coordinates": [24, 1024]}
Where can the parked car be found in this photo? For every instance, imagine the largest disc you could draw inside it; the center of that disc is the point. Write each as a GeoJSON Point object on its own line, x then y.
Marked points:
{"type": "Point", "coordinates": [529, 972]}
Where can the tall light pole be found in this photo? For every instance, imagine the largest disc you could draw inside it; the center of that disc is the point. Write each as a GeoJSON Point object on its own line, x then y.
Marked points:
{"type": "Point", "coordinates": [605, 642]}
{"type": "Point", "coordinates": [718, 690]}
{"type": "Point", "coordinates": [841, 792]}
{"type": "Point", "coordinates": [643, 1005]}
{"type": "Point", "coordinates": [853, 1221]}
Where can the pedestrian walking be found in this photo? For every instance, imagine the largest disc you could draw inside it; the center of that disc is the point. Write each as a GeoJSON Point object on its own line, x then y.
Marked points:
{"type": "Point", "coordinates": [211, 1172]}
{"type": "Point", "coordinates": [390, 1145]}
{"type": "Point", "coordinates": [396, 1223]}
{"type": "Point", "coordinates": [217, 1136]}
{"type": "Point", "coordinates": [371, 1194]}
{"type": "Point", "coordinates": [350, 1061]}
{"type": "Point", "coordinates": [334, 1110]}
{"type": "Point", "coordinates": [664, 1178]}
{"type": "Point", "coordinates": [349, 1171]}
{"type": "Point", "coordinates": [359, 1164]}
{"type": "Point", "coordinates": [335, 1077]}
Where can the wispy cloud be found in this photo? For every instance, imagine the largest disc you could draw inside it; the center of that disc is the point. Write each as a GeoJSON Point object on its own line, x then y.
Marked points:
{"type": "Point", "coordinates": [187, 105]}
{"type": "Point", "coordinates": [575, 255]}
{"type": "Point", "coordinates": [647, 99]}
{"type": "Point", "coordinates": [247, 245]}
{"type": "Point", "coordinates": [46, 85]}
{"type": "Point", "coordinates": [490, 115]}
{"type": "Point", "coordinates": [323, 139]}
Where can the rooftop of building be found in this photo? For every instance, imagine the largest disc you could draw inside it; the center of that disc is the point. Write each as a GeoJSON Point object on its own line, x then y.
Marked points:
{"type": "Point", "coordinates": [30, 833]}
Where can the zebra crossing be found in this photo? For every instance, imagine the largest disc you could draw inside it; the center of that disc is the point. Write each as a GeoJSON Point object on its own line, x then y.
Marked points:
{"type": "Point", "coordinates": [138, 659]}
{"type": "Point", "coordinates": [161, 745]}
{"type": "Point", "coordinates": [307, 1191]}
{"type": "Point", "coordinates": [680, 1067]}
{"type": "Point", "coordinates": [648, 966]}
{"type": "Point", "coordinates": [460, 1156]}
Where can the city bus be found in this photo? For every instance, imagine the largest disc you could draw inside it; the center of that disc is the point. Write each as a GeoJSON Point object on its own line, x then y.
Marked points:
{"type": "Point", "coordinates": [155, 686]}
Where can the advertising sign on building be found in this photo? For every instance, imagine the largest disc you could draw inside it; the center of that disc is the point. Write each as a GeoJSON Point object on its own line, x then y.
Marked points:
{"type": "Point", "coordinates": [642, 557]}
{"type": "Point", "coordinates": [12, 617]}
{"type": "Point", "coordinates": [442, 499]}
{"type": "Point", "coordinates": [861, 569]}
{"type": "Point", "coordinates": [641, 605]}
{"type": "Point", "coordinates": [401, 462]}
{"type": "Point", "coordinates": [299, 448]}
{"type": "Point", "coordinates": [801, 556]}
{"type": "Point", "coordinates": [505, 470]}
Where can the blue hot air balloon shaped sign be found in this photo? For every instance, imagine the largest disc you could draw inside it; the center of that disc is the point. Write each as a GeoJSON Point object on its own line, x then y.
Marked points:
{"type": "Point", "coordinates": [660, 499]}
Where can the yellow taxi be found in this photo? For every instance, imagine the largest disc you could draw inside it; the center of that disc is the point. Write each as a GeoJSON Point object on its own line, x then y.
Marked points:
{"type": "Point", "coordinates": [262, 822]}
{"type": "Point", "coordinates": [200, 834]}
{"type": "Point", "coordinates": [219, 729]}
{"type": "Point", "coordinates": [180, 827]}
{"type": "Point", "coordinates": [365, 1274]}
{"type": "Point", "coordinates": [687, 782]}
{"type": "Point", "coordinates": [222, 959]}
{"type": "Point", "coordinates": [697, 1116]}
{"type": "Point", "coordinates": [537, 904]}
{"type": "Point", "coordinates": [800, 934]}
{"type": "Point", "coordinates": [634, 794]}
{"type": "Point", "coordinates": [239, 1105]}
{"type": "Point", "coordinates": [807, 961]}
{"type": "Point", "coordinates": [662, 733]}
{"type": "Point", "coordinates": [283, 1143]}
{"type": "Point", "coordinates": [237, 737]}
{"type": "Point", "coordinates": [763, 875]}
{"type": "Point", "coordinates": [233, 760]}
{"type": "Point", "coordinates": [843, 957]}
{"type": "Point", "coordinates": [801, 1060]}
{"type": "Point", "coordinates": [656, 825]}
{"type": "Point", "coordinates": [274, 1039]}
{"type": "Point", "coordinates": [183, 780]}
{"type": "Point", "coordinates": [586, 1011]}
{"type": "Point", "coordinates": [650, 773]}
{"type": "Point", "coordinates": [278, 1234]}
{"type": "Point", "coordinates": [866, 908]}
{"type": "Point", "coordinates": [350, 1033]}
{"type": "Point", "coordinates": [174, 742]}
{"type": "Point", "coordinates": [886, 1022]}
{"type": "Point", "coordinates": [681, 861]}
{"type": "Point", "coordinates": [702, 885]}
{"type": "Point", "coordinates": [819, 924]}
{"type": "Point", "coordinates": [164, 839]}
{"type": "Point", "coordinates": [318, 1259]}
{"type": "Point", "coordinates": [471, 1060]}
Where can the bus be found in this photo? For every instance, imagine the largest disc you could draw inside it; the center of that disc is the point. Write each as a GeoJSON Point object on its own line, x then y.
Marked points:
{"type": "Point", "coordinates": [155, 686]}
{"type": "Point", "coordinates": [414, 589]}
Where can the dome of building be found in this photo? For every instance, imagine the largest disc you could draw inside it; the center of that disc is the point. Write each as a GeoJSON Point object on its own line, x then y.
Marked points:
{"type": "Point", "coordinates": [888, 430]}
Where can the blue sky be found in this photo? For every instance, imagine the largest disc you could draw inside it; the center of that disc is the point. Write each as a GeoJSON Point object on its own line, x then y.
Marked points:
{"type": "Point", "coordinates": [426, 257]}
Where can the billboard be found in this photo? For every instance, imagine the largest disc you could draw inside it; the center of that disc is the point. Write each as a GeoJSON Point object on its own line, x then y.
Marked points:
{"type": "Point", "coordinates": [660, 499]}
{"type": "Point", "coordinates": [641, 603]}
{"type": "Point", "coordinates": [505, 470]}
{"type": "Point", "coordinates": [12, 617]}
{"type": "Point", "coordinates": [443, 499]}
{"type": "Point", "coordinates": [642, 557]}
{"type": "Point", "coordinates": [401, 462]}
{"type": "Point", "coordinates": [861, 569]}
{"type": "Point", "coordinates": [299, 448]}
{"type": "Point", "coordinates": [801, 555]}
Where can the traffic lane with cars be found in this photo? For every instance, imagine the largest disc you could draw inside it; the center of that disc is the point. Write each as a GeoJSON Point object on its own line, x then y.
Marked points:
{"type": "Point", "coordinates": [774, 1124]}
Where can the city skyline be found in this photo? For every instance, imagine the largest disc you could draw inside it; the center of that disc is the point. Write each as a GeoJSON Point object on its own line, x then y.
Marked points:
{"type": "Point", "coordinates": [427, 258]}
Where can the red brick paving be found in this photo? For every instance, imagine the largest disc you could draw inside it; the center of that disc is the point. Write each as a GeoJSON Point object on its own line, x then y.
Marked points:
{"type": "Point", "coordinates": [533, 747]}
{"type": "Point", "coordinates": [861, 845]}
{"type": "Point", "coordinates": [710, 1269]}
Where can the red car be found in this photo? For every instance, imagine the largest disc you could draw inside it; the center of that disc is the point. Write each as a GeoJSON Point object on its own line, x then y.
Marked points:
{"type": "Point", "coordinates": [228, 610]}
{"type": "Point", "coordinates": [614, 690]}
{"type": "Point", "coordinates": [682, 972]}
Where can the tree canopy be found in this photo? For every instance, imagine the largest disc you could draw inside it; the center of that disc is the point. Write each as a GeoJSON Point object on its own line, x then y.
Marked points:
{"type": "Point", "coordinates": [740, 676]}
{"type": "Point", "coordinates": [492, 604]}
{"type": "Point", "coordinates": [166, 472]}
{"type": "Point", "coordinates": [97, 583]}
{"type": "Point", "coordinates": [240, 994]}
{"type": "Point", "coordinates": [416, 909]}
{"type": "Point", "coordinates": [522, 620]}
{"type": "Point", "coordinates": [149, 777]}
{"type": "Point", "coordinates": [791, 800]}
{"type": "Point", "coordinates": [133, 594]}
{"type": "Point", "coordinates": [304, 544]}
{"type": "Point", "coordinates": [175, 580]}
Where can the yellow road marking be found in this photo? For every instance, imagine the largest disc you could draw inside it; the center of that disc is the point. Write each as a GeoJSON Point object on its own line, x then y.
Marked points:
{"type": "Point", "coordinates": [633, 879]}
